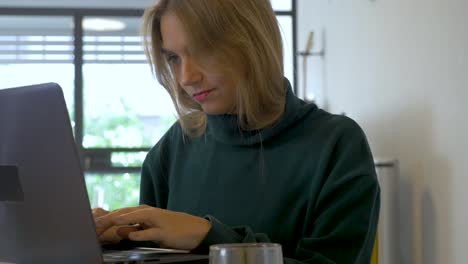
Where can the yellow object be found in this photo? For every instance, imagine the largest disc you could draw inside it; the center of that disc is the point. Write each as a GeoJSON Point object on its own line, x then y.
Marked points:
{"type": "Point", "coordinates": [375, 251]}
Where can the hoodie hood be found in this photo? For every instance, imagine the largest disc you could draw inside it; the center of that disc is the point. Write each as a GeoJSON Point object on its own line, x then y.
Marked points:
{"type": "Point", "coordinates": [225, 128]}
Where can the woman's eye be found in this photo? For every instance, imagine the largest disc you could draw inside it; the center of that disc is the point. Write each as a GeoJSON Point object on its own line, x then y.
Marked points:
{"type": "Point", "coordinates": [172, 58]}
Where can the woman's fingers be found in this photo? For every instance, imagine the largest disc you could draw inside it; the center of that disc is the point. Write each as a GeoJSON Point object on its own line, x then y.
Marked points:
{"type": "Point", "coordinates": [147, 216]}
{"type": "Point", "coordinates": [168, 228]}
{"type": "Point", "coordinates": [110, 236]}
{"type": "Point", "coordinates": [106, 221]}
{"type": "Point", "coordinates": [150, 234]}
{"type": "Point", "coordinates": [123, 231]}
{"type": "Point", "coordinates": [98, 212]}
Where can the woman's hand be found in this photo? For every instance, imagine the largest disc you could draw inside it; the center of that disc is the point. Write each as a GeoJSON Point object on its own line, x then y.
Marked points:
{"type": "Point", "coordinates": [168, 228]}
{"type": "Point", "coordinates": [109, 235]}
{"type": "Point", "coordinates": [98, 212]}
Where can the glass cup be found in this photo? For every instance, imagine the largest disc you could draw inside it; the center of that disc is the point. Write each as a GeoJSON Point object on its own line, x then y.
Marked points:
{"type": "Point", "coordinates": [246, 253]}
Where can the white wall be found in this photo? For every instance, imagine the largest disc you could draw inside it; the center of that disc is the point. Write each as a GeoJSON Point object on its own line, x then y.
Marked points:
{"type": "Point", "coordinates": [400, 68]}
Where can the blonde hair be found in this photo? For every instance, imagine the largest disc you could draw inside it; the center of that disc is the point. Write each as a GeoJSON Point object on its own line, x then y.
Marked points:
{"type": "Point", "coordinates": [244, 39]}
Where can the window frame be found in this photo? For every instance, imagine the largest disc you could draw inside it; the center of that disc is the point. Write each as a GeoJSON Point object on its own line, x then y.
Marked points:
{"type": "Point", "coordinates": [98, 160]}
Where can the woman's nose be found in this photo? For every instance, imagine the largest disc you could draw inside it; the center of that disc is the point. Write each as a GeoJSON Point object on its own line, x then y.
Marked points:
{"type": "Point", "coordinates": [190, 73]}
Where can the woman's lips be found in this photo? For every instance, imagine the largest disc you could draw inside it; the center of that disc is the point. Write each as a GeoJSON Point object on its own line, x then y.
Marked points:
{"type": "Point", "coordinates": [201, 96]}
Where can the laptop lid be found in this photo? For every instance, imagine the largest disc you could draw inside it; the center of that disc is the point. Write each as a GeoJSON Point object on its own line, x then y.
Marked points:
{"type": "Point", "coordinates": [45, 215]}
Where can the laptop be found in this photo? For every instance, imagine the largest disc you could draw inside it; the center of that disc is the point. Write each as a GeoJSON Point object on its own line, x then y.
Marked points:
{"type": "Point", "coordinates": [45, 214]}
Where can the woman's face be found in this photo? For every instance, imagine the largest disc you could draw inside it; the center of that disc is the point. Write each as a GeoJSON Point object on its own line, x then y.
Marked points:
{"type": "Point", "coordinates": [215, 92]}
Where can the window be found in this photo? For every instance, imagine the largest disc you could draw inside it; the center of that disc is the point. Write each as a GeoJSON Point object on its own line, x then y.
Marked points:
{"type": "Point", "coordinates": [118, 109]}
{"type": "Point", "coordinates": [36, 50]}
{"type": "Point", "coordinates": [124, 106]}
{"type": "Point", "coordinates": [286, 27]}
{"type": "Point", "coordinates": [112, 191]}
{"type": "Point", "coordinates": [282, 5]}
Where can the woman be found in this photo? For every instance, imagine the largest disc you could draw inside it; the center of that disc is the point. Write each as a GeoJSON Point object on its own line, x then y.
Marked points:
{"type": "Point", "coordinates": [247, 160]}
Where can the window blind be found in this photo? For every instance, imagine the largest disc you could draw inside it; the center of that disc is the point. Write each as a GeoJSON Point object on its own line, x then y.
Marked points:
{"type": "Point", "coordinates": [59, 49]}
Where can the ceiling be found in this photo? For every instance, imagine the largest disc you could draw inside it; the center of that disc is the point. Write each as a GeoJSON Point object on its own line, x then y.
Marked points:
{"type": "Point", "coordinates": [135, 4]}
{"type": "Point", "coordinates": [26, 24]}
{"type": "Point", "coordinates": [18, 23]}
{"type": "Point", "coordinates": [109, 4]}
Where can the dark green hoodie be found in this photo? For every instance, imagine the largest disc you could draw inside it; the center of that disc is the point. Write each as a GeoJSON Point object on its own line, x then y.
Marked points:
{"type": "Point", "coordinates": [307, 183]}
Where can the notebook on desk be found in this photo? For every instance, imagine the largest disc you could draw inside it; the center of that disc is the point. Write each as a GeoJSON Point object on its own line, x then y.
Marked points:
{"type": "Point", "coordinates": [45, 214]}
